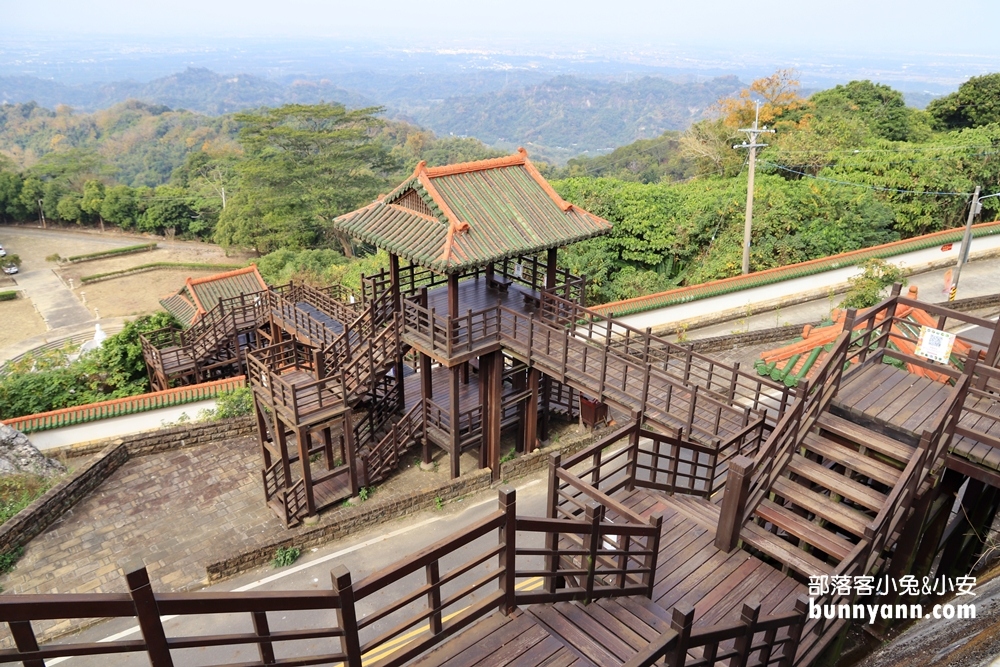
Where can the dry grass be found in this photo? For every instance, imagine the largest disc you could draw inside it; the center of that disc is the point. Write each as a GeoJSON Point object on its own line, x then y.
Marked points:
{"type": "Point", "coordinates": [18, 491]}
{"type": "Point", "coordinates": [137, 294]}
{"type": "Point", "coordinates": [20, 321]}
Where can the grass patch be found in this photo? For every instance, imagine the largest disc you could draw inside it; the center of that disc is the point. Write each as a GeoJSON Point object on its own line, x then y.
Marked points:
{"type": "Point", "coordinates": [8, 296]}
{"type": "Point", "coordinates": [114, 252]}
{"type": "Point", "coordinates": [285, 556]}
{"type": "Point", "coordinates": [158, 265]}
{"type": "Point", "coordinates": [18, 491]}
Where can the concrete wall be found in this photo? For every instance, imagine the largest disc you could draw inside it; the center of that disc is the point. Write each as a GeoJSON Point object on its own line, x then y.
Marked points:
{"type": "Point", "coordinates": [797, 290]}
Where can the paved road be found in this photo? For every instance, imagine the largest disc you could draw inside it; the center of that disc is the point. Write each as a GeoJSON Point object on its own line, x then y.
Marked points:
{"type": "Point", "coordinates": [54, 300]}
{"type": "Point", "coordinates": [362, 554]}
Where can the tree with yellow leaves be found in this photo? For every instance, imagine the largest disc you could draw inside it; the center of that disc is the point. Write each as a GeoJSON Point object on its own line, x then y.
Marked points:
{"type": "Point", "coordinates": [778, 94]}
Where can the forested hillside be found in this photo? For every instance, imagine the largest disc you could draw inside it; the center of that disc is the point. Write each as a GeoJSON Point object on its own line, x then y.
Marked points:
{"type": "Point", "coordinates": [195, 89]}
{"type": "Point", "coordinates": [847, 168]}
{"type": "Point", "coordinates": [568, 116]}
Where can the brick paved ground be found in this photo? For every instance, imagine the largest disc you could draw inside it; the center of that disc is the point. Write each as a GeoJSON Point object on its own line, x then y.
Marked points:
{"type": "Point", "coordinates": [178, 510]}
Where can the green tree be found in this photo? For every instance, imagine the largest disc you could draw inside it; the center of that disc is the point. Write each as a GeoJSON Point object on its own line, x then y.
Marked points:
{"type": "Point", "coordinates": [68, 208]}
{"type": "Point", "coordinates": [877, 105]}
{"type": "Point", "coordinates": [120, 206]}
{"type": "Point", "coordinates": [303, 166]}
{"type": "Point", "coordinates": [974, 104]}
{"type": "Point", "coordinates": [168, 210]}
{"type": "Point", "coordinates": [11, 206]}
{"type": "Point", "coordinates": [93, 200]}
{"type": "Point", "coordinates": [31, 193]}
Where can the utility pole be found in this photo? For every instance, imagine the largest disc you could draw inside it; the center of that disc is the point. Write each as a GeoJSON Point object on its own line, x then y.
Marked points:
{"type": "Point", "coordinates": [752, 133]}
{"type": "Point", "coordinates": [41, 213]}
{"type": "Point", "coordinates": [963, 255]}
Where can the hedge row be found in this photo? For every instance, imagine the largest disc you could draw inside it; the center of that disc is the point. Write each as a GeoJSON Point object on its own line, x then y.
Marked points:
{"type": "Point", "coordinates": [8, 296]}
{"type": "Point", "coordinates": [126, 250]}
{"type": "Point", "coordinates": [158, 265]}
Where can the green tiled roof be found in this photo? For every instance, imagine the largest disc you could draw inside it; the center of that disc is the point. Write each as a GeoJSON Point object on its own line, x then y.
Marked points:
{"type": "Point", "coordinates": [456, 217]}
{"type": "Point", "coordinates": [200, 295]}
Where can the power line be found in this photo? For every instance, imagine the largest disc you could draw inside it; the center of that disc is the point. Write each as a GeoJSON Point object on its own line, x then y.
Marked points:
{"type": "Point", "coordinates": [865, 185]}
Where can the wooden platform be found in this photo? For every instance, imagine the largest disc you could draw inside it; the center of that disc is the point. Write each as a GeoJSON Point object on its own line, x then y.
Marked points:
{"type": "Point", "coordinates": [475, 294]}
{"type": "Point", "coordinates": [890, 400]}
{"type": "Point", "coordinates": [975, 451]}
{"type": "Point", "coordinates": [690, 571]}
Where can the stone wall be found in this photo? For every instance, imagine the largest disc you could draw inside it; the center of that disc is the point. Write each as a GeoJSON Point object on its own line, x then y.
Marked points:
{"type": "Point", "coordinates": [45, 510]}
{"type": "Point", "coordinates": [166, 438]}
{"type": "Point", "coordinates": [341, 521]}
{"type": "Point", "coordinates": [110, 455]}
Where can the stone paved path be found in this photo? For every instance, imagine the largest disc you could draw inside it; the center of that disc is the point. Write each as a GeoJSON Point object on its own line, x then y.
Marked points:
{"type": "Point", "coordinates": [55, 301]}
{"type": "Point", "coordinates": [179, 511]}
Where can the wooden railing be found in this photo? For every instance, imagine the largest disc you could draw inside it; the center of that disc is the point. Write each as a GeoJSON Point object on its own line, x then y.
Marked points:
{"type": "Point", "coordinates": [268, 367]}
{"type": "Point", "coordinates": [814, 398]}
{"type": "Point", "coordinates": [449, 336]}
{"type": "Point", "coordinates": [383, 458]}
{"type": "Point", "coordinates": [753, 640]}
{"type": "Point", "coordinates": [726, 382]}
{"type": "Point", "coordinates": [332, 300]}
{"type": "Point", "coordinates": [980, 412]}
{"type": "Point", "coordinates": [124, 406]}
{"type": "Point", "coordinates": [209, 609]}
{"type": "Point", "coordinates": [631, 384]}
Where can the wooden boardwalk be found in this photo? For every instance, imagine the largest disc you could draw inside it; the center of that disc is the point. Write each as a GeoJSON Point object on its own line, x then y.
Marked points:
{"type": "Point", "coordinates": [691, 573]}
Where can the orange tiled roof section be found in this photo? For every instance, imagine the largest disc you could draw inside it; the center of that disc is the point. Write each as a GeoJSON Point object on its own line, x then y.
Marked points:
{"type": "Point", "coordinates": [200, 295]}
{"type": "Point", "coordinates": [460, 216]}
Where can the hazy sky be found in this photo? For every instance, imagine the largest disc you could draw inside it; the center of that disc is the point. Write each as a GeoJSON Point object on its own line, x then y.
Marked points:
{"type": "Point", "coordinates": [925, 26]}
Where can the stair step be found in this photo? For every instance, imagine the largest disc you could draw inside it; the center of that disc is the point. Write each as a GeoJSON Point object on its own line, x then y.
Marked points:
{"type": "Point", "coordinates": [822, 506]}
{"type": "Point", "coordinates": [839, 484]}
{"type": "Point", "coordinates": [798, 560]}
{"type": "Point", "coordinates": [849, 458]}
{"type": "Point", "coordinates": [804, 529]}
{"type": "Point", "coordinates": [883, 444]}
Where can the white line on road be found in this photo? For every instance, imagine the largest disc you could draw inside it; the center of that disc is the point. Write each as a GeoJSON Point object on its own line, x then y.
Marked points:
{"type": "Point", "coordinates": [299, 568]}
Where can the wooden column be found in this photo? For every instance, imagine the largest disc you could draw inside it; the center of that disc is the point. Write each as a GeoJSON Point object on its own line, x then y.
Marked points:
{"type": "Point", "coordinates": [550, 268]}
{"type": "Point", "coordinates": [491, 409]}
{"type": "Point", "coordinates": [456, 441]}
{"type": "Point", "coordinates": [531, 413]}
{"type": "Point", "coordinates": [426, 392]}
{"type": "Point", "coordinates": [262, 434]}
{"type": "Point", "coordinates": [394, 278]}
{"type": "Point", "coordinates": [282, 441]}
{"type": "Point", "coordinates": [452, 295]}
{"type": "Point", "coordinates": [302, 435]}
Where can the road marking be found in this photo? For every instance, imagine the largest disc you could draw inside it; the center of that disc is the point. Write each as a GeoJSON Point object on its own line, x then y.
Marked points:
{"type": "Point", "coordinates": [305, 566]}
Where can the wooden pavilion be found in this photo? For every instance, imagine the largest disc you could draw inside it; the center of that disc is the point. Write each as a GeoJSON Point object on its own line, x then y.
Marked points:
{"type": "Point", "coordinates": [463, 240]}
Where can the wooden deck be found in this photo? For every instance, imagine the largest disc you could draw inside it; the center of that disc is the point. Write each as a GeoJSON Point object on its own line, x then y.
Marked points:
{"type": "Point", "coordinates": [691, 572]}
{"type": "Point", "coordinates": [890, 400]}
{"type": "Point", "coordinates": [475, 294]}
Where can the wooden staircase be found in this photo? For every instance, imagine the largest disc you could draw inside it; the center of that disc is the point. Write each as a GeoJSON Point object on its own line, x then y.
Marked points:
{"type": "Point", "coordinates": [830, 491]}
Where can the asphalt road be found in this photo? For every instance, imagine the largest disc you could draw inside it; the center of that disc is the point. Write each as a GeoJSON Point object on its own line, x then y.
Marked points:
{"type": "Point", "coordinates": [362, 554]}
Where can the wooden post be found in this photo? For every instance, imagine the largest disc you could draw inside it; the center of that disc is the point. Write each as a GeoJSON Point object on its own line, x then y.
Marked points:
{"type": "Point", "coordinates": [491, 409]}
{"type": "Point", "coordinates": [427, 393]}
{"type": "Point", "coordinates": [508, 557]}
{"type": "Point", "coordinates": [394, 286]}
{"type": "Point", "coordinates": [452, 296]}
{"type": "Point", "coordinates": [794, 633]}
{"type": "Point", "coordinates": [748, 618]}
{"type": "Point", "coordinates": [681, 621]}
{"type": "Point", "coordinates": [734, 502]}
{"type": "Point", "coordinates": [594, 515]}
{"type": "Point", "coordinates": [302, 436]}
{"type": "Point", "coordinates": [24, 639]}
{"type": "Point", "coordinates": [650, 577]}
{"type": "Point", "coordinates": [282, 440]}
{"type": "Point", "coordinates": [519, 383]}
{"type": "Point", "coordinates": [531, 413]}
{"type": "Point", "coordinates": [265, 649]}
{"type": "Point", "coordinates": [147, 614]}
{"type": "Point", "coordinates": [349, 453]}
{"type": "Point", "coordinates": [551, 512]}
{"type": "Point", "coordinates": [433, 574]}
{"type": "Point", "coordinates": [633, 454]}
{"type": "Point", "coordinates": [347, 617]}
{"type": "Point", "coordinates": [456, 440]}
{"type": "Point", "coordinates": [550, 268]}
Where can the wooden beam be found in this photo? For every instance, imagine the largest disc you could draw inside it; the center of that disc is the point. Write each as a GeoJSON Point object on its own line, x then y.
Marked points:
{"type": "Point", "coordinates": [302, 436]}
{"type": "Point", "coordinates": [426, 392]}
{"type": "Point", "coordinates": [491, 411]}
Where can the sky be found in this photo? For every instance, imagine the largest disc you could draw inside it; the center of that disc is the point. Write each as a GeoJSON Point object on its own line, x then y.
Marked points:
{"type": "Point", "coordinates": [863, 26]}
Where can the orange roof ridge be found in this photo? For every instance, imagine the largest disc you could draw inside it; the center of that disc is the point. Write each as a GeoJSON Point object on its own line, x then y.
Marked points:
{"type": "Point", "coordinates": [454, 224]}
{"type": "Point", "coordinates": [478, 165]}
{"type": "Point", "coordinates": [220, 276]}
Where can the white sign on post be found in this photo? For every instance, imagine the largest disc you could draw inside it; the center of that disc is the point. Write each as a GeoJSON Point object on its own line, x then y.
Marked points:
{"type": "Point", "coordinates": [935, 344]}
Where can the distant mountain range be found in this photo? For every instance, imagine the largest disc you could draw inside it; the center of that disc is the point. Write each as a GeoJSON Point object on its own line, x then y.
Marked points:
{"type": "Point", "coordinates": [568, 116]}
{"type": "Point", "coordinates": [194, 89]}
